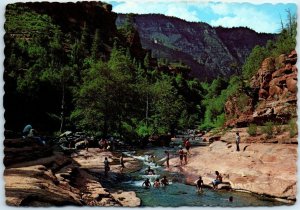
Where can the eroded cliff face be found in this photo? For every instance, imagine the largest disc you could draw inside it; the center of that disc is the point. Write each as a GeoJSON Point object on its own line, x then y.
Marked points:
{"type": "Point", "coordinates": [208, 51]}
{"type": "Point", "coordinates": [275, 85]}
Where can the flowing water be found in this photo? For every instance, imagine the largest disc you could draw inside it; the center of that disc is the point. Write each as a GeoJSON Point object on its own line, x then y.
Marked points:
{"type": "Point", "coordinates": [178, 193]}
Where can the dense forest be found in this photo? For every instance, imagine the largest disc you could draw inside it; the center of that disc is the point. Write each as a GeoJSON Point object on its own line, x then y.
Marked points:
{"type": "Point", "coordinates": [58, 79]}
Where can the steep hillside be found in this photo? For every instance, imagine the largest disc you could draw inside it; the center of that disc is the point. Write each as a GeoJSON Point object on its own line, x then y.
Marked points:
{"type": "Point", "coordinates": [275, 85]}
{"type": "Point", "coordinates": [210, 52]}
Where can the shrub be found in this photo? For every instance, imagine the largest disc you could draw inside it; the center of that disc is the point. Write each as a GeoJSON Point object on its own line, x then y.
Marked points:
{"type": "Point", "coordinates": [268, 129]}
{"type": "Point", "coordinates": [293, 127]}
{"type": "Point", "coordinates": [242, 102]}
{"type": "Point", "coordinates": [279, 129]}
{"type": "Point", "coordinates": [252, 129]}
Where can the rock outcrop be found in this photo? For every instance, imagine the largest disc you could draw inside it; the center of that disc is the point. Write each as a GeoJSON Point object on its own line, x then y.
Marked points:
{"type": "Point", "coordinates": [275, 84]}
{"type": "Point", "coordinates": [38, 175]}
{"type": "Point", "coordinates": [265, 169]}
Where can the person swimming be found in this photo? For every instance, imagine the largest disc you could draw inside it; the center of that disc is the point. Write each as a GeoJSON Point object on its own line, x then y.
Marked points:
{"type": "Point", "coordinates": [149, 171]}
{"type": "Point", "coordinates": [156, 183]}
{"type": "Point", "coordinates": [146, 183]}
{"type": "Point", "coordinates": [164, 181]}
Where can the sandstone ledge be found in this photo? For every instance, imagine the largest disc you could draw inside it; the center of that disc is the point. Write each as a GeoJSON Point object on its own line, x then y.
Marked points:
{"type": "Point", "coordinates": [264, 169]}
{"type": "Point", "coordinates": [54, 179]}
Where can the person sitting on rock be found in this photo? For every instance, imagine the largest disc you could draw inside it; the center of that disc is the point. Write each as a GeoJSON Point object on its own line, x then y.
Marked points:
{"type": "Point", "coordinates": [217, 181]}
{"type": "Point", "coordinates": [26, 130]}
{"type": "Point", "coordinates": [164, 181]}
{"type": "Point", "coordinates": [146, 183]}
{"type": "Point", "coordinates": [199, 184]}
{"type": "Point", "coordinates": [31, 133]}
{"type": "Point", "coordinates": [156, 183]}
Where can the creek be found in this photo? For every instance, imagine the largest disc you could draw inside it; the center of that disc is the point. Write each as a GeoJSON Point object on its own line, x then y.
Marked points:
{"type": "Point", "coordinates": [177, 193]}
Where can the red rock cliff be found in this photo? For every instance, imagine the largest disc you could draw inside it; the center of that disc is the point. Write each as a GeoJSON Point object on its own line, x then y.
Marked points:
{"type": "Point", "coordinates": [275, 83]}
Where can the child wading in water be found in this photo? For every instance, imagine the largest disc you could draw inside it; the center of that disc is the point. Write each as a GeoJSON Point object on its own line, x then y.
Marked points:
{"type": "Point", "coordinates": [199, 184]}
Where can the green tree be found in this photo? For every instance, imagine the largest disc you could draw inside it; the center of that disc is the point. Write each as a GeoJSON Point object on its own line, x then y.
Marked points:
{"type": "Point", "coordinates": [253, 61]}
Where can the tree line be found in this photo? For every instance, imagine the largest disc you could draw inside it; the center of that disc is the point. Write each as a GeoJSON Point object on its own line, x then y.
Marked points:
{"type": "Point", "coordinates": [59, 81]}
{"type": "Point", "coordinates": [76, 80]}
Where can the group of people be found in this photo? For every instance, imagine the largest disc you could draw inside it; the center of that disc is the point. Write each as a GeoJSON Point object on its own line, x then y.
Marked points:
{"type": "Point", "coordinates": [104, 144]}
{"type": "Point", "coordinates": [107, 166]}
{"type": "Point", "coordinates": [182, 156]}
{"type": "Point", "coordinates": [157, 183]}
{"type": "Point", "coordinates": [218, 180]}
{"type": "Point", "coordinates": [164, 182]}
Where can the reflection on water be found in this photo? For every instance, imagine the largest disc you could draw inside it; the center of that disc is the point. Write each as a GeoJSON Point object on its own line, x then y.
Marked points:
{"type": "Point", "coordinates": [179, 194]}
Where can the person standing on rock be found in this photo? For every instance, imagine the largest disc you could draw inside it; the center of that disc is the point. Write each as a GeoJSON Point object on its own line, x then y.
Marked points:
{"type": "Point", "coordinates": [237, 141]}
{"type": "Point", "coordinates": [167, 158]}
{"type": "Point", "coordinates": [86, 144]}
{"type": "Point", "coordinates": [106, 167]}
{"type": "Point", "coordinates": [187, 145]}
{"type": "Point", "coordinates": [181, 152]}
{"type": "Point", "coordinates": [122, 163]}
{"type": "Point", "coordinates": [185, 157]}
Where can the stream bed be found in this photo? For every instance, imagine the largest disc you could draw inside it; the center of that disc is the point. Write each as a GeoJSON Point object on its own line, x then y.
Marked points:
{"type": "Point", "coordinates": [177, 193]}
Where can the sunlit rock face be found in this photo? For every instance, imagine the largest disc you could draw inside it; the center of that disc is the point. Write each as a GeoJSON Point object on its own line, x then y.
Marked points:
{"type": "Point", "coordinates": [209, 51]}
